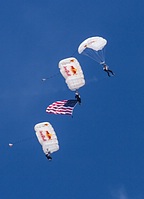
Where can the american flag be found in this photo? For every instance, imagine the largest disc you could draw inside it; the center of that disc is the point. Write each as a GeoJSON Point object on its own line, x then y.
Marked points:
{"type": "Point", "coordinates": [64, 107]}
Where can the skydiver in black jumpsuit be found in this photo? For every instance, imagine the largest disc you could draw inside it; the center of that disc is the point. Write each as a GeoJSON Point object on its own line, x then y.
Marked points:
{"type": "Point", "coordinates": [106, 69]}
{"type": "Point", "coordinates": [48, 156]}
{"type": "Point", "coordinates": [77, 97]}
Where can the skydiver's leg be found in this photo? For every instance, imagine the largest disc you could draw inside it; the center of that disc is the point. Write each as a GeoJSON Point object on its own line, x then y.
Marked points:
{"type": "Point", "coordinates": [48, 156]}
{"type": "Point", "coordinates": [79, 100]}
{"type": "Point", "coordinates": [111, 72]}
{"type": "Point", "coordinates": [108, 73]}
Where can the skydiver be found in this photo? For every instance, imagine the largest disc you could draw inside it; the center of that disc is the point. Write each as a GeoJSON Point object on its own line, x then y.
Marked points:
{"type": "Point", "coordinates": [106, 69]}
{"type": "Point", "coordinates": [48, 156]}
{"type": "Point", "coordinates": [77, 97]}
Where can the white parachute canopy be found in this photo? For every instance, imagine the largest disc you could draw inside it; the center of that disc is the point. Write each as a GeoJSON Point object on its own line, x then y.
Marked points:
{"type": "Point", "coordinates": [94, 48]}
{"type": "Point", "coordinates": [46, 137]}
{"type": "Point", "coordinates": [72, 72]}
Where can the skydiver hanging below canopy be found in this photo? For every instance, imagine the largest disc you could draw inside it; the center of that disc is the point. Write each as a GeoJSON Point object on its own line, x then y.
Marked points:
{"type": "Point", "coordinates": [48, 156]}
{"type": "Point", "coordinates": [94, 47]}
{"type": "Point", "coordinates": [77, 97]}
{"type": "Point", "coordinates": [107, 70]}
{"type": "Point", "coordinates": [47, 138]}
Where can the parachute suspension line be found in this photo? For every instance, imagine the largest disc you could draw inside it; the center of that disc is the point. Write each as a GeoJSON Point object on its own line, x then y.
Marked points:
{"type": "Point", "coordinates": [96, 56]}
{"type": "Point", "coordinates": [103, 52]}
{"type": "Point", "coordinates": [84, 53]}
{"type": "Point", "coordinates": [92, 55]}
{"type": "Point", "coordinates": [46, 78]}
{"type": "Point", "coordinates": [100, 56]}
{"type": "Point", "coordinates": [22, 140]}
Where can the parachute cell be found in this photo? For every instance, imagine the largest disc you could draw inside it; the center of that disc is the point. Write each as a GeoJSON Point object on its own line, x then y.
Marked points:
{"type": "Point", "coordinates": [46, 137]}
{"type": "Point", "coordinates": [94, 48]}
{"type": "Point", "coordinates": [72, 72]}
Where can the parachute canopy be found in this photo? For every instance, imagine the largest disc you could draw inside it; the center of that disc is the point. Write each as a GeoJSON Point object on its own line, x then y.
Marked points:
{"type": "Point", "coordinates": [72, 72]}
{"type": "Point", "coordinates": [46, 137]}
{"type": "Point", "coordinates": [94, 48]}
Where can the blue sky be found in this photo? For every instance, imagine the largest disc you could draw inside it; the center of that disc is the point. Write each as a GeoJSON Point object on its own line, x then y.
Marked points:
{"type": "Point", "coordinates": [101, 147]}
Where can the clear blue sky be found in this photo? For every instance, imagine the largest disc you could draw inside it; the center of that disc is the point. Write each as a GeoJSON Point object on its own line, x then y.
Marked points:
{"type": "Point", "coordinates": [101, 152]}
